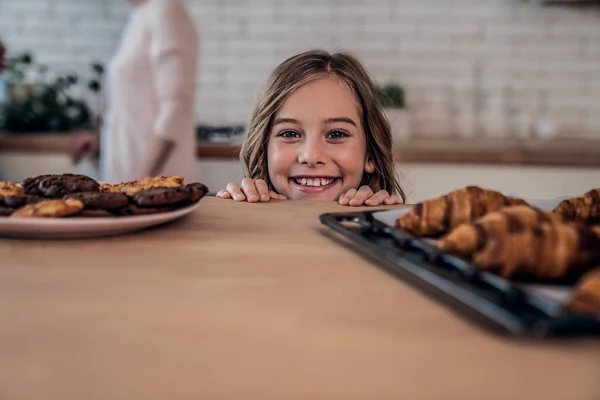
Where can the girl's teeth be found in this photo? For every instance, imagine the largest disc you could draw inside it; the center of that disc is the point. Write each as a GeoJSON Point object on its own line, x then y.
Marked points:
{"type": "Point", "coordinates": [314, 181]}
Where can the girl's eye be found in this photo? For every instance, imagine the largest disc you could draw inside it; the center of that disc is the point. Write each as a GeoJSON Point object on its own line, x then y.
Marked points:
{"type": "Point", "coordinates": [289, 134]}
{"type": "Point", "coordinates": [336, 135]}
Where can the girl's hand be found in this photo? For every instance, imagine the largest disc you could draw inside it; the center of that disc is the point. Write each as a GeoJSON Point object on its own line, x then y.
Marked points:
{"type": "Point", "coordinates": [251, 191]}
{"type": "Point", "coordinates": [365, 196]}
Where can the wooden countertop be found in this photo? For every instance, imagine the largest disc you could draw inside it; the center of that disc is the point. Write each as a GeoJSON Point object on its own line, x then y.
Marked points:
{"type": "Point", "coordinates": [559, 152]}
{"type": "Point", "coordinates": [251, 301]}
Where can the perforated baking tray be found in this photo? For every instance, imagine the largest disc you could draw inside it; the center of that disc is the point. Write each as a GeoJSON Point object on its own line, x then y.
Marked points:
{"type": "Point", "coordinates": [523, 308]}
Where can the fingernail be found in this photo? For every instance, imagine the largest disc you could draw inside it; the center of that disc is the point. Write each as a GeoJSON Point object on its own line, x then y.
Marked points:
{"type": "Point", "coordinates": [264, 197]}
{"type": "Point", "coordinates": [253, 197]}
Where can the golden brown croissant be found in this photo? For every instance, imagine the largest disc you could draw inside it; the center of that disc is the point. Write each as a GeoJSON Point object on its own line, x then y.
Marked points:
{"type": "Point", "coordinates": [586, 297]}
{"type": "Point", "coordinates": [584, 208]}
{"type": "Point", "coordinates": [515, 201]}
{"type": "Point", "coordinates": [468, 238]}
{"type": "Point", "coordinates": [438, 216]}
{"type": "Point", "coordinates": [550, 250]}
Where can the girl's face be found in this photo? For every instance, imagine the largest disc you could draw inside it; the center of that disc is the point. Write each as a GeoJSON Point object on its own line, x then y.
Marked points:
{"type": "Point", "coordinates": [317, 144]}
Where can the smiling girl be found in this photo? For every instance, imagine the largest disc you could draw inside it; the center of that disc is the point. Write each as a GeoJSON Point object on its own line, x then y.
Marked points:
{"type": "Point", "coordinates": [318, 133]}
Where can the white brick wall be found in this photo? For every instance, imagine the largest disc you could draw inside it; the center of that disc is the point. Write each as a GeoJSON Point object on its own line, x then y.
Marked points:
{"type": "Point", "coordinates": [549, 56]}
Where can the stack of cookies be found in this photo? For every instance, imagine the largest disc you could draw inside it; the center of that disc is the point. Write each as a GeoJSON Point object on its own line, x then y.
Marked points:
{"type": "Point", "coordinates": [73, 195]}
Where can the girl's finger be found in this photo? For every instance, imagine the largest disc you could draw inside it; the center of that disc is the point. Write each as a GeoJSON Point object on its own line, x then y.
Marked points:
{"type": "Point", "coordinates": [378, 198]}
{"type": "Point", "coordinates": [235, 192]}
{"type": "Point", "coordinates": [345, 198]}
{"type": "Point", "coordinates": [263, 189]}
{"type": "Point", "coordinates": [364, 192]}
{"type": "Point", "coordinates": [250, 191]}
{"type": "Point", "coordinates": [392, 200]}
{"type": "Point", "coordinates": [224, 194]}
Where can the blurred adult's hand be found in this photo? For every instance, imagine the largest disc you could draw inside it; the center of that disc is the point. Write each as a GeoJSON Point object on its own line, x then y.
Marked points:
{"type": "Point", "coordinates": [85, 145]}
{"type": "Point", "coordinates": [3, 59]}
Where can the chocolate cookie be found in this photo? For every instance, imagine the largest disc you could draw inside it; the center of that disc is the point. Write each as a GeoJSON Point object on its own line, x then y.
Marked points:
{"type": "Point", "coordinates": [101, 201]}
{"type": "Point", "coordinates": [132, 209]}
{"type": "Point", "coordinates": [30, 185]}
{"type": "Point", "coordinates": [161, 197]}
{"type": "Point", "coordinates": [197, 191]}
{"type": "Point", "coordinates": [94, 214]}
{"type": "Point", "coordinates": [5, 211]}
{"type": "Point", "coordinates": [60, 185]}
{"type": "Point", "coordinates": [18, 201]}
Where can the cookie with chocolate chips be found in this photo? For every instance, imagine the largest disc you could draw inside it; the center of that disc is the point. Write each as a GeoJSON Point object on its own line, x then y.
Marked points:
{"type": "Point", "coordinates": [10, 189]}
{"type": "Point", "coordinates": [162, 181]}
{"type": "Point", "coordinates": [49, 209]}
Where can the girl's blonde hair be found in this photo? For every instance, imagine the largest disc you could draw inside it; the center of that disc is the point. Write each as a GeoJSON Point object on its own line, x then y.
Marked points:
{"type": "Point", "coordinates": [306, 67]}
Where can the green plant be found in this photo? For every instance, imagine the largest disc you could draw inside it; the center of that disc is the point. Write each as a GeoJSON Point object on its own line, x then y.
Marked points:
{"type": "Point", "coordinates": [95, 86]}
{"type": "Point", "coordinates": [391, 95]}
{"type": "Point", "coordinates": [44, 105]}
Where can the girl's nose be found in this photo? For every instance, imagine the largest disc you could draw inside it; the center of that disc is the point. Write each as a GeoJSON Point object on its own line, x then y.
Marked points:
{"type": "Point", "coordinates": [312, 153]}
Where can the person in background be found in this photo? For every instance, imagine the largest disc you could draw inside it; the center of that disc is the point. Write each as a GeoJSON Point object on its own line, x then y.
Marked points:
{"type": "Point", "coordinates": [148, 126]}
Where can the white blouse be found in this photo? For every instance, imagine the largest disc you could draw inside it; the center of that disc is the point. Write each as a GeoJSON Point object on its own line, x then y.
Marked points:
{"type": "Point", "coordinates": [151, 92]}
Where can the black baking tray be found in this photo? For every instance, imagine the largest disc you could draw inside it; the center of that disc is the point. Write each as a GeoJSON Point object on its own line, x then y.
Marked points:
{"type": "Point", "coordinates": [495, 303]}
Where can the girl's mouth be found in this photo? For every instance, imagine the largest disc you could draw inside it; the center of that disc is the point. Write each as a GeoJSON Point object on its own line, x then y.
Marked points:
{"type": "Point", "coordinates": [313, 184]}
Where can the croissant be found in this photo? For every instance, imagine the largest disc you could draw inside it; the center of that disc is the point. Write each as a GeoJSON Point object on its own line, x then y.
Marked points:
{"type": "Point", "coordinates": [437, 216]}
{"type": "Point", "coordinates": [586, 297]}
{"type": "Point", "coordinates": [515, 201]}
{"type": "Point", "coordinates": [550, 250]}
{"type": "Point", "coordinates": [584, 208]}
{"type": "Point", "coordinates": [470, 237]}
